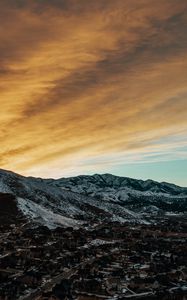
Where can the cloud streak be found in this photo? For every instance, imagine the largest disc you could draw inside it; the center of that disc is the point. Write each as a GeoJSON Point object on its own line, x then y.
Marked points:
{"type": "Point", "coordinates": [83, 79]}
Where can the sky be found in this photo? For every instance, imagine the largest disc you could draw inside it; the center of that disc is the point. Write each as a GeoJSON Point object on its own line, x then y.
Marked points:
{"type": "Point", "coordinates": [94, 87]}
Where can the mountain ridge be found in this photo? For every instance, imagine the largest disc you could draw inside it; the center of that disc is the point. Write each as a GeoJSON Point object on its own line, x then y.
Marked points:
{"type": "Point", "coordinates": [73, 201]}
{"type": "Point", "coordinates": [96, 174]}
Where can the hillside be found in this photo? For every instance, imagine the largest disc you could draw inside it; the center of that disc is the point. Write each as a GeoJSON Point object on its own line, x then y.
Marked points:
{"type": "Point", "coordinates": [82, 199]}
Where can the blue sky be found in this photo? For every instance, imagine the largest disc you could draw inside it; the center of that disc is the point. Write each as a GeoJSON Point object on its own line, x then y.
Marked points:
{"type": "Point", "coordinates": [170, 171]}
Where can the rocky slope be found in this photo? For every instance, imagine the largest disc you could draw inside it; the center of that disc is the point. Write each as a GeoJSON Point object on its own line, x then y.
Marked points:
{"type": "Point", "coordinates": [132, 193]}
{"type": "Point", "coordinates": [74, 201]}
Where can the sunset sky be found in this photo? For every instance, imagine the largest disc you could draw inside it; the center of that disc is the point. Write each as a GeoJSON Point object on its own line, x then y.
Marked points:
{"type": "Point", "coordinates": [94, 86]}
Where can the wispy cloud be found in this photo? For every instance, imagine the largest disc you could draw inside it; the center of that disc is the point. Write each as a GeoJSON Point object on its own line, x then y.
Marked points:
{"type": "Point", "coordinates": [90, 81]}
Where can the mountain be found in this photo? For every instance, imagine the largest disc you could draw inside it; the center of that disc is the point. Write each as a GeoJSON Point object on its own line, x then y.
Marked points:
{"type": "Point", "coordinates": [128, 192]}
{"type": "Point", "coordinates": [84, 199]}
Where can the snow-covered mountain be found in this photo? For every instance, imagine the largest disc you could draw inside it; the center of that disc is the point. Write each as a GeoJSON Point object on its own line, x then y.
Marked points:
{"type": "Point", "coordinates": [74, 201]}
{"type": "Point", "coordinates": [131, 193]}
{"type": "Point", "coordinates": [108, 182]}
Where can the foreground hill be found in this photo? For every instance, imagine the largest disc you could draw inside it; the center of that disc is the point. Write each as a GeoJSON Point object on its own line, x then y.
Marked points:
{"type": "Point", "coordinates": [74, 201]}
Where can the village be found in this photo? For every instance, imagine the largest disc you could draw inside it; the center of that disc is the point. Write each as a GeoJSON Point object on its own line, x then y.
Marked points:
{"type": "Point", "coordinates": [100, 261]}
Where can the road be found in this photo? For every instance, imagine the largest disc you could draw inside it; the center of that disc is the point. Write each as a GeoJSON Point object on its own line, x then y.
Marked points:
{"type": "Point", "coordinates": [57, 279]}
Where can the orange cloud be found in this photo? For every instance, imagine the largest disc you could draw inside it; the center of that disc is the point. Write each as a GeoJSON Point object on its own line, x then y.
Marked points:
{"type": "Point", "coordinates": [82, 79]}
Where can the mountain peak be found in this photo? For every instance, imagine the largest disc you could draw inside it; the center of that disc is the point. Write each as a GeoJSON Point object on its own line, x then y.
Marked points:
{"type": "Point", "coordinates": [79, 199]}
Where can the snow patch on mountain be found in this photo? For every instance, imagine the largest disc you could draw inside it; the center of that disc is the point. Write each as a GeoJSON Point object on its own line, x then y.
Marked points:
{"type": "Point", "coordinates": [68, 201]}
{"type": "Point", "coordinates": [44, 216]}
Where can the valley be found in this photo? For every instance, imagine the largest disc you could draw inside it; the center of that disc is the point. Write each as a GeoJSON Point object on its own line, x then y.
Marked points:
{"type": "Point", "coordinates": [92, 237]}
{"type": "Point", "coordinates": [107, 261]}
